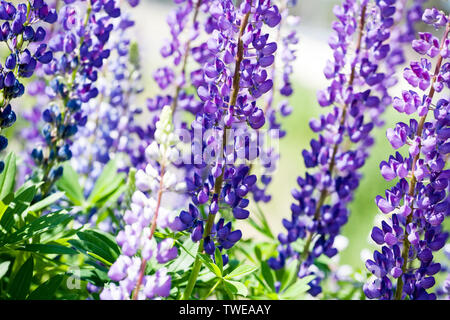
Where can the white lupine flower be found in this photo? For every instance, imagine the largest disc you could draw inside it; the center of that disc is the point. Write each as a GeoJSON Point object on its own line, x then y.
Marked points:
{"type": "Point", "coordinates": [152, 151]}
{"type": "Point", "coordinates": [142, 181]}
{"type": "Point", "coordinates": [173, 155]}
{"type": "Point", "coordinates": [170, 180]}
{"type": "Point", "coordinates": [135, 237]}
{"type": "Point", "coordinates": [181, 187]}
{"type": "Point", "coordinates": [154, 186]}
{"type": "Point", "coordinates": [151, 172]}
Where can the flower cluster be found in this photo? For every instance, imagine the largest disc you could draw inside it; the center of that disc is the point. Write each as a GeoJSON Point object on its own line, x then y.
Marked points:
{"type": "Point", "coordinates": [24, 39]}
{"type": "Point", "coordinates": [80, 49]}
{"type": "Point", "coordinates": [110, 131]}
{"type": "Point", "coordinates": [231, 80]}
{"type": "Point", "coordinates": [147, 212]}
{"type": "Point", "coordinates": [418, 203]}
{"type": "Point", "coordinates": [343, 145]}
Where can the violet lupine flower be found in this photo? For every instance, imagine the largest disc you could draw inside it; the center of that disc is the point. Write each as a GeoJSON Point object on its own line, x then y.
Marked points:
{"type": "Point", "coordinates": [27, 48]}
{"type": "Point", "coordinates": [229, 102]}
{"type": "Point", "coordinates": [402, 32]}
{"type": "Point", "coordinates": [418, 203]}
{"type": "Point", "coordinates": [286, 57]}
{"type": "Point", "coordinates": [145, 215]}
{"type": "Point", "coordinates": [110, 130]}
{"type": "Point", "coordinates": [80, 48]}
{"type": "Point", "coordinates": [321, 203]}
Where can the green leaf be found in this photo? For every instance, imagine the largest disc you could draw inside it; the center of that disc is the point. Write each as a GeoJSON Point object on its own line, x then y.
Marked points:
{"type": "Point", "coordinates": [4, 268]}
{"type": "Point", "coordinates": [241, 271]}
{"type": "Point", "coordinates": [268, 275]}
{"type": "Point", "coordinates": [219, 260]}
{"type": "Point", "coordinates": [48, 249]}
{"type": "Point", "coordinates": [258, 253]}
{"type": "Point", "coordinates": [44, 203]}
{"type": "Point", "coordinates": [210, 265]}
{"type": "Point", "coordinates": [3, 208]}
{"type": "Point", "coordinates": [46, 291]}
{"type": "Point", "coordinates": [69, 183]}
{"type": "Point", "coordinates": [289, 274]}
{"type": "Point", "coordinates": [38, 226]}
{"type": "Point", "coordinates": [96, 243]}
{"type": "Point", "coordinates": [107, 183]}
{"type": "Point", "coordinates": [8, 176]}
{"type": "Point", "coordinates": [20, 285]}
{"type": "Point", "coordinates": [236, 287]}
{"type": "Point", "coordinates": [93, 275]}
{"type": "Point", "coordinates": [263, 227]}
{"type": "Point", "coordinates": [186, 258]}
{"type": "Point", "coordinates": [298, 289]}
{"type": "Point", "coordinates": [16, 208]}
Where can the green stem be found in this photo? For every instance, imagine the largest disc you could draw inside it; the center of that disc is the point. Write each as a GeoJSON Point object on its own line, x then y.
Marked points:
{"type": "Point", "coordinates": [194, 275]}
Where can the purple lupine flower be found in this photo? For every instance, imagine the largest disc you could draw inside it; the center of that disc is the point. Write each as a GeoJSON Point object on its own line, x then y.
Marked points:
{"type": "Point", "coordinates": [320, 208]}
{"type": "Point", "coordinates": [419, 201]}
{"type": "Point", "coordinates": [24, 38]}
{"type": "Point", "coordinates": [80, 49]}
{"type": "Point", "coordinates": [111, 116]}
{"type": "Point", "coordinates": [232, 78]}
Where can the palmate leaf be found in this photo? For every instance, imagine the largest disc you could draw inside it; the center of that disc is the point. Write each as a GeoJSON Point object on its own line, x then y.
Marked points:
{"type": "Point", "coordinates": [46, 291]}
{"type": "Point", "coordinates": [268, 276]}
{"type": "Point", "coordinates": [206, 259]}
{"type": "Point", "coordinates": [108, 182]}
{"type": "Point", "coordinates": [16, 207]}
{"type": "Point", "coordinates": [44, 203]}
{"type": "Point", "coordinates": [48, 249]}
{"type": "Point", "coordinates": [93, 275]}
{"type": "Point", "coordinates": [38, 226]}
{"type": "Point", "coordinates": [186, 257]}
{"type": "Point", "coordinates": [236, 287]}
{"type": "Point", "coordinates": [8, 176]}
{"type": "Point", "coordinates": [97, 245]}
{"type": "Point", "coordinates": [241, 271]}
{"type": "Point", "coordinates": [69, 183]}
{"type": "Point", "coordinates": [298, 289]}
{"type": "Point", "coordinates": [219, 260]}
{"type": "Point", "coordinates": [20, 285]}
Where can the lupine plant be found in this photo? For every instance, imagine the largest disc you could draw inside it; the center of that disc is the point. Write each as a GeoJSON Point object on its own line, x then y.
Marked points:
{"type": "Point", "coordinates": [138, 179]}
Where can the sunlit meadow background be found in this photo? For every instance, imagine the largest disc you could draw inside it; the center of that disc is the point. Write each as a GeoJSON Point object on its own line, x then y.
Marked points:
{"type": "Point", "coordinates": [313, 52]}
